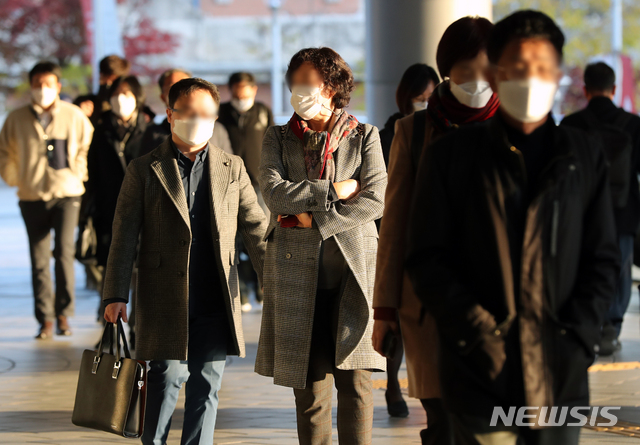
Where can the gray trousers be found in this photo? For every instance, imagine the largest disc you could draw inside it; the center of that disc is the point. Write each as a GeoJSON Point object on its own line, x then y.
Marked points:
{"type": "Point", "coordinates": [355, 389]}
{"type": "Point", "coordinates": [40, 217]}
{"type": "Point", "coordinates": [202, 373]}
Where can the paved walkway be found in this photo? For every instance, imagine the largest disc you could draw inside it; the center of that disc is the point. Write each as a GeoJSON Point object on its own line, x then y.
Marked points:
{"type": "Point", "coordinates": [38, 379]}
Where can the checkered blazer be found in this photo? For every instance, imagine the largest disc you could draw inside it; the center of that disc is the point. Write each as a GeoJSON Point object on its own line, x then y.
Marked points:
{"type": "Point", "coordinates": [291, 260]}
{"type": "Point", "coordinates": [152, 205]}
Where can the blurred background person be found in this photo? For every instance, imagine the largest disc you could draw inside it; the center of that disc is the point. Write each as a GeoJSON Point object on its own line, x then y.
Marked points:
{"type": "Point", "coordinates": [323, 177]}
{"type": "Point", "coordinates": [415, 88]}
{"type": "Point", "coordinates": [247, 122]}
{"type": "Point", "coordinates": [43, 152]}
{"type": "Point", "coordinates": [619, 132]}
{"type": "Point", "coordinates": [116, 142]}
{"type": "Point", "coordinates": [462, 60]}
{"type": "Point", "coordinates": [156, 134]}
{"type": "Point", "coordinates": [93, 105]}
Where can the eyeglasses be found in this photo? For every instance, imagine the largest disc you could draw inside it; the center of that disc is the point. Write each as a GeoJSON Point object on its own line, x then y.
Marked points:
{"type": "Point", "coordinates": [190, 114]}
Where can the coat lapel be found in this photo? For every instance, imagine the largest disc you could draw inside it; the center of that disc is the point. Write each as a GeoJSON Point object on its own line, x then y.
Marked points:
{"type": "Point", "coordinates": [165, 167]}
{"type": "Point", "coordinates": [219, 173]}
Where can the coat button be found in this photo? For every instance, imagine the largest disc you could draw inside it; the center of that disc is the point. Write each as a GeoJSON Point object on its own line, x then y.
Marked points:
{"type": "Point", "coordinates": [512, 148]}
{"type": "Point", "coordinates": [288, 256]}
{"type": "Point", "coordinates": [183, 242]}
{"type": "Point", "coordinates": [226, 163]}
{"type": "Point", "coordinates": [180, 274]}
{"type": "Point", "coordinates": [45, 137]}
{"type": "Point", "coordinates": [496, 332]}
{"type": "Point", "coordinates": [596, 348]}
{"type": "Point", "coordinates": [50, 147]}
{"type": "Point", "coordinates": [572, 167]}
{"type": "Point", "coordinates": [462, 343]}
{"type": "Point", "coordinates": [563, 331]}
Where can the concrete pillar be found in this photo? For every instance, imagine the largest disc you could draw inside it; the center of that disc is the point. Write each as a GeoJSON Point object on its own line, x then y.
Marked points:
{"type": "Point", "coordinates": [401, 33]}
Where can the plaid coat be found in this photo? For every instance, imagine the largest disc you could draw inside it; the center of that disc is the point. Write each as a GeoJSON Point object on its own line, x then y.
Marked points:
{"type": "Point", "coordinates": [152, 205]}
{"type": "Point", "coordinates": [291, 261]}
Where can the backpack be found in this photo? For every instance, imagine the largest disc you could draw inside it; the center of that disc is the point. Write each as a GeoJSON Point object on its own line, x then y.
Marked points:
{"type": "Point", "coordinates": [618, 148]}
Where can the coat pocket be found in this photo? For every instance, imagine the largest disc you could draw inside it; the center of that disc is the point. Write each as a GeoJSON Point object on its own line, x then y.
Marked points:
{"type": "Point", "coordinates": [149, 260]}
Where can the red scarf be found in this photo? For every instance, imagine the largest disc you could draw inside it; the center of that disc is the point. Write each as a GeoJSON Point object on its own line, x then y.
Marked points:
{"type": "Point", "coordinates": [445, 111]}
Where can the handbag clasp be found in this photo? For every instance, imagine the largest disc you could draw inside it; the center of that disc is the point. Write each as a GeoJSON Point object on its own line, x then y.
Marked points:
{"type": "Point", "coordinates": [116, 370]}
{"type": "Point", "coordinates": [94, 368]}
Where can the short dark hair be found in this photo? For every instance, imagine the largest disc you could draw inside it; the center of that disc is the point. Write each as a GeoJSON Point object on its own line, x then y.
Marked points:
{"type": "Point", "coordinates": [185, 87]}
{"type": "Point", "coordinates": [114, 65]}
{"type": "Point", "coordinates": [414, 81]}
{"type": "Point", "coordinates": [241, 76]}
{"type": "Point", "coordinates": [134, 85]}
{"type": "Point", "coordinates": [167, 73]}
{"type": "Point", "coordinates": [335, 72]}
{"type": "Point", "coordinates": [599, 77]}
{"type": "Point", "coordinates": [46, 68]}
{"type": "Point", "coordinates": [525, 24]}
{"type": "Point", "coordinates": [464, 39]}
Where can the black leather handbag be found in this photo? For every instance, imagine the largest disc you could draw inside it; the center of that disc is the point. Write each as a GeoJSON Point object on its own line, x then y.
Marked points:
{"type": "Point", "coordinates": [111, 390]}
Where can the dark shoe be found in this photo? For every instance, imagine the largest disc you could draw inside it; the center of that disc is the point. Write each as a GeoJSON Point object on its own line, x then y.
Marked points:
{"type": "Point", "coordinates": [46, 331]}
{"type": "Point", "coordinates": [396, 409]}
{"type": "Point", "coordinates": [609, 343]}
{"type": "Point", "coordinates": [63, 326]}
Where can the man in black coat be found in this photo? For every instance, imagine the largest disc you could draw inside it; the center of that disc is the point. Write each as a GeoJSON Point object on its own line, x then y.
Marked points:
{"type": "Point", "coordinates": [247, 121]}
{"type": "Point", "coordinates": [600, 88]}
{"type": "Point", "coordinates": [513, 249]}
{"type": "Point", "coordinates": [156, 134]}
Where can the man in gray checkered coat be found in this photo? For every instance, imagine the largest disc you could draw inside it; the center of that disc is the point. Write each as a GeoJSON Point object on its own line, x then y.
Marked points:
{"type": "Point", "coordinates": [323, 178]}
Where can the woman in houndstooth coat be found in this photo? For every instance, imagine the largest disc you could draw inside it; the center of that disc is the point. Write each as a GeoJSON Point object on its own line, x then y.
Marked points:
{"type": "Point", "coordinates": [323, 178]}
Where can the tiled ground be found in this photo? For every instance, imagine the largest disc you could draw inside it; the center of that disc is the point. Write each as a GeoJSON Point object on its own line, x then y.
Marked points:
{"type": "Point", "coordinates": [38, 379]}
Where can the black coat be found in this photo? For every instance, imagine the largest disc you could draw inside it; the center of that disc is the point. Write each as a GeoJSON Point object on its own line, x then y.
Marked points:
{"type": "Point", "coordinates": [460, 266]}
{"type": "Point", "coordinates": [107, 163]}
{"type": "Point", "coordinates": [628, 217]}
{"type": "Point", "coordinates": [387, 134]}
{"type": "Point", "coordinates": [246, 131]}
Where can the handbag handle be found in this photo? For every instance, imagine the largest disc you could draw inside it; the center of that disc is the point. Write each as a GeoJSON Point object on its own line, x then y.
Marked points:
{"type": "Point", "coordinates": [117, 332]}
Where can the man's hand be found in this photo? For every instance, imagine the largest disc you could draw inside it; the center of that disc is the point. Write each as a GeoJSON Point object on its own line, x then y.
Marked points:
{"type": "Point", "coordinates": [347, 189]}
{"type": "Point", "coordinates": [305, 219]}
{"type": "Point", "coordinates": [380, 329]}
{"type": "Point", "coordinates": [112, 311]}
{"type": "Point", "coordinates": [87, 107]}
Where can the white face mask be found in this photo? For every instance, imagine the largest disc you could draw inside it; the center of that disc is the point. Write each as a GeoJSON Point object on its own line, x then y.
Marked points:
{"type": "Point", "coordinates": [308, 101]}
{"type": "Point", "coordinates": [123, 105]}
{"type": "Point", "coordinates": [528, 100]}
{"type": "Point", "coordinates": [194, 131]}
{"type": "Point", "coordinates": [474, 94]}
{"type": "Point", "coordinates": [44, 96]}
{"type": "Point", "coordinates": [419, 106]}
{"type": "Point", "coordinates": [242, 105]}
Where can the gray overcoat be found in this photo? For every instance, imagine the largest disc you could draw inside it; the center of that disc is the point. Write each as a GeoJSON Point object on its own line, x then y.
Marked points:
{"type": "Point", "coordinates": [152, 204]}
{"type": "Point", "coordinates": [292, 258]}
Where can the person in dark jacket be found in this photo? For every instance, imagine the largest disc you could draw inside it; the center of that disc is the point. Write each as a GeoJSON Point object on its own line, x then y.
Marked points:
{"type": "Point", "coordinates": [600, 88]}
{"type": "Point", "coordinates": [115, 144]}
{"type": "Point", "coordinates": [414, 90]}
{"type": "Point", "coordinates": [156, 134]}
{"type": "Point", "coordinates": [513, 249]}
{"type": "Point", "coordinates": [247, 122]}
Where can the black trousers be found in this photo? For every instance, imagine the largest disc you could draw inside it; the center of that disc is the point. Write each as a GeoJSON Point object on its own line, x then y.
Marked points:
{"type": "Point", "coordinates": [40, 217]}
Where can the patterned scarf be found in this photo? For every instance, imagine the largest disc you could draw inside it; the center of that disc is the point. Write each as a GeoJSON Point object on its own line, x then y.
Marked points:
{"type": "Point", "coordinates": [319, 146]}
